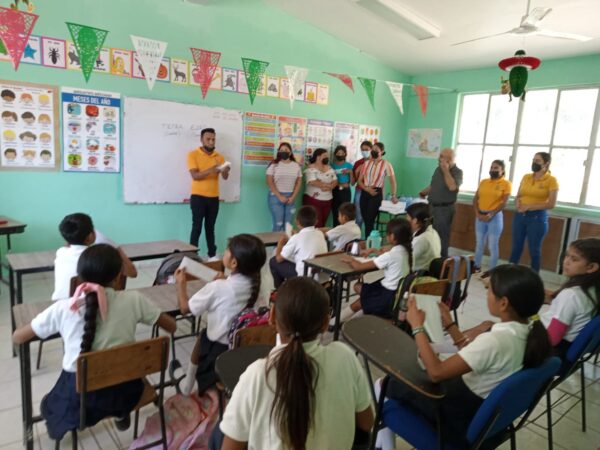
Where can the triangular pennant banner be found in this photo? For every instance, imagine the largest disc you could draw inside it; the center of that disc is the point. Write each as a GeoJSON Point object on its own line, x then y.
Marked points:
{"type": "Point", "coordinates": [254, 71]}
{"type": "Point", "coordinates": [396, 91]}
{"type": "Point", "coordinates": [369, 85]}
{"type": "Point", "coordinates": [296, 77]}
{"type": "Point", "coordinates": [88, 42]}
{"type": "Point", "coordinates": [149, 53]}
{"type": "Point", "coordinates": [3, 50]}
{"type": "Point", "coordinates": [344, 78]}
{"type": "Point", "coordinates": [206, 63]}
{"type": "Point", "coordinates": [15, 28]}
{"type": "Point", "coordinates": [423, 93]}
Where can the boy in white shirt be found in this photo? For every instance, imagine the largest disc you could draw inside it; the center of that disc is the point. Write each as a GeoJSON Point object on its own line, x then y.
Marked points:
{"type": "Point", "coordinates": [347, 231]}
{"type": "Point", "coordinates": [290, 254]}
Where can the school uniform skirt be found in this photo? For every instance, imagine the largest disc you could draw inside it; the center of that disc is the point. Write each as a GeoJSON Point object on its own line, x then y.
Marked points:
{"type": "Point", "coordinates": [377, 300]}
{"type": "Point", "coordinates": [209, 352]}
{"type": "Point", "coordinates": [60, 408]}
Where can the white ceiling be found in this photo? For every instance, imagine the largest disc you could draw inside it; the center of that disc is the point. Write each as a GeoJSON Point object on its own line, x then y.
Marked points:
{"type": "Point", "coordinates": [459, 20]}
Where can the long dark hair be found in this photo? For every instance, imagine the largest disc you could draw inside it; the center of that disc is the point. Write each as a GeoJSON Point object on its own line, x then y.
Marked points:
{"type": "Point", "coordinates": [249, 252]}
{"type": "Point", "coordinates": [524, 290]}
{"type": "Point", "coordinates": [420, 211]}
{"type": "Point", "coordinates": [589, 249]}
{"type": "Point", "coordinates": [278, 158]}
{"type": "Point", "coordinates": [318, 152]}
{"type": "Point", "coordinates": [301, 310]}
{"type": "Point", "coordinates": [100, 264]}
{"type": "Point", "coordinates": [402, 232]}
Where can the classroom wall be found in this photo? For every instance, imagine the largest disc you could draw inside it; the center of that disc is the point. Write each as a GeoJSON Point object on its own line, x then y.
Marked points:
{"type": "Point", "coordinates": [234, 27]}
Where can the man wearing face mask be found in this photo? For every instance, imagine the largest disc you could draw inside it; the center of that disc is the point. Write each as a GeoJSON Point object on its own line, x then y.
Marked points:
{"type": "Point", "coordinates": [365, 151]}
{"type": "Point", "coordinates": [345, 176]}
{"type": "Point", "coordinates": [442, 193]}
{"type": "Point", "coordinates": [205, 165]}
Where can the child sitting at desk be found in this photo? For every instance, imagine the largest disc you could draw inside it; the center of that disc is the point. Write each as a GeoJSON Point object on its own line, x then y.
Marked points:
{"type": "Point", "coordinates": [377, 298]}
{"type": "Point", "coordinates": [78, 231]}
{"type": "Point", "coordinates": [290, 254]}
{"type": "Point", "coordinates": [83, 331]}
{"type": "Point", "coordinates": [426, 243]}
{"type": "Point", "coordinates": [347, 231]}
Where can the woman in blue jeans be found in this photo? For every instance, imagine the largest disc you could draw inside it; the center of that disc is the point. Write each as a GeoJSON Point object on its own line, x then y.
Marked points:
{"type": "Point", "coordinates": [538, 192]}
{"type": "Point", "coordinates": [284, 178]}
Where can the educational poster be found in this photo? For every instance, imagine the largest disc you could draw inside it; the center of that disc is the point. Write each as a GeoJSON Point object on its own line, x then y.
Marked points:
{"type": "Point", "coordinates": [33, 51]}
{"type": "Point", "coordinates": [260, 135]}
{"type": "Point", "coordinates": [310, 92]}
{"type": "Point", "coordinates": [272, 86]}
{"type": "Point", "coordinates": [322, 94]}
{"type": "Point", "coordinates": [347, 134]}
{"type": "Point", "coordinates": [120, 62]}
{"type": "Point", "coordinates": [217, 80]}
{"type": "Point", "coordinates": [284, 88]}
{"type": "Point", "coordinates": [179, 71]}
{"type": "Point", "coordinates": [164, 70]}
{"type": "Point", "coordinates": [91, 131]}
{"type": "Point", "coordinates": [242, 85]}
{"type": "Point", "coordinates": [54, 52]}
{"type": "Point", "coordinates": [424, 142]}
{"type": "Point", "coordinates": [260, 91]}
{"type": "Point", "coordinates": [293, 131]}
{"type": "Point", "coordinates": [73, 62]}
{"type": "Point", "coordinates": [229, 79]}
{"type": "Point", "coordinates": [300, 94]}
{"type": "Point", "coordinates": [137, 70]}
{"type": "Point", "coordinates": [28, 126]}
{"type": "Point", "coordinates": [369, 133]}
{"type": "Point", "coordinates": [103, 61]}
{"type": "Point", "coordinates": [319, 134]}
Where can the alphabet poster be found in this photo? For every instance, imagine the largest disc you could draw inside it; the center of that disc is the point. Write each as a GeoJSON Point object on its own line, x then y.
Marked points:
{"type": "Point", "coordinates": [91, 131]}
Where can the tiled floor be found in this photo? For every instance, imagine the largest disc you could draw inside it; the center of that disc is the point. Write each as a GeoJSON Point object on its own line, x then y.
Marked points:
{"type": "Point", "coordinates": [38, 287]}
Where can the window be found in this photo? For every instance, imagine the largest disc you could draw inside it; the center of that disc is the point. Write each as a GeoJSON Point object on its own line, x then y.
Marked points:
{"type": "Point", "coordinates": [563, 122]}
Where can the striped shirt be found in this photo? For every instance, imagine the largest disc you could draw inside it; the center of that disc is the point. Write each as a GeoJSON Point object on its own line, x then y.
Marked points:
{"type": "Point", "coordinates": [375, 171]}
{"type": "Point", "coordinates": [285, 175]}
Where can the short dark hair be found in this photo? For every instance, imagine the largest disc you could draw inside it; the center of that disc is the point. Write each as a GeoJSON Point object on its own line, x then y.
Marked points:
{"type": "Point", "coordinates": [342, 148]}
{"type": "Point", "coordinates": [45, 152]}
{"type": "Point", "coordinates": [10, 150]}
{"type": "Point", "coordinates": [545, 156]}
{"type": "Point", "coordinates": [381, 146]}
{"type": "Point", "coordinates": [348, 209]}
{"type": "Point", "coordinates": [207, 130]}
{"type": "Point", "coordinates": [367, 143]}
{"type": "Point", "coordinates": [75, 228]}
{"type": "Point", "coordinates": [307, 216]}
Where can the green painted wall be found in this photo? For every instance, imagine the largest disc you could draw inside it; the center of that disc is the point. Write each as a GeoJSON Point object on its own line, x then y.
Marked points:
{"type": "Point", "coordinates": [234, 27]}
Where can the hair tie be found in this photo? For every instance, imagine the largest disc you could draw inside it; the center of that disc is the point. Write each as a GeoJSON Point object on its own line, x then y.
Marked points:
{"type": "Point", "coordinates": [84, 288]}
{"type": "Point", "coordinates": [296, 335]}
{"type": "Point", "coordinates": [534, 318]}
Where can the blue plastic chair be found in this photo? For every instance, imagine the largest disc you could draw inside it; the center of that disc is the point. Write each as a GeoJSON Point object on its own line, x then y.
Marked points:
{"type": "Point", "coordinates": [583, 348]}
{"type": "Point", "coordinates": [493, 424]}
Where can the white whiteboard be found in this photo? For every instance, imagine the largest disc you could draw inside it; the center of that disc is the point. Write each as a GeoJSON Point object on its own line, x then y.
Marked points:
{"type": "Point", "coordinates": [157, 138]}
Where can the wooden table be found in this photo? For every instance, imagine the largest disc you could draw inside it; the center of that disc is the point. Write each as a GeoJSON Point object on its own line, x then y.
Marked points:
{"type": "Point", "coordinates": [10, 226]}
{"type": "Point", "coordinates": [270, 238]}
{"type": "Point", "coordinates": [331, 264]}
{"type": "Point", "coordinates": [233, 363]}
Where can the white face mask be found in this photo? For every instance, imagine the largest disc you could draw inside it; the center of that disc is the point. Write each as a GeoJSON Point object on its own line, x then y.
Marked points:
{"type": "Point", "coordinates": [366, 154]}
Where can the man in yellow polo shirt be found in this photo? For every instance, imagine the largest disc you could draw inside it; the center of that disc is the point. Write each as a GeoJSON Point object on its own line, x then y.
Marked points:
{"type": "Point", "coordinates": [205, 165]}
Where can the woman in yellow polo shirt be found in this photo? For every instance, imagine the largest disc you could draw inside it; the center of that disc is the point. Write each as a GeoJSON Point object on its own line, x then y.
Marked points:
{"type": "Point", "coordinates": [537, 194]}
{"type": "Point", "coordinates": [489, 201]}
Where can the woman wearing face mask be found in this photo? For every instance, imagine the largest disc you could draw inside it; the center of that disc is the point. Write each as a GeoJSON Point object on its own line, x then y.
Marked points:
{"type": "Point", "coordinates": [372, 182]}
{"type": "Point", "coordinates": [537, 194]}
{"type": "Point", "coordinates": [489, 201]}
{"type": "Point", "coordinates": [345, 176]}
{"type": "Point", "coordinates": [284, 178]}
{"type": "Point", "coordinates": [365, 151]}
{"type": "Point", "coordinates": [321, 180]}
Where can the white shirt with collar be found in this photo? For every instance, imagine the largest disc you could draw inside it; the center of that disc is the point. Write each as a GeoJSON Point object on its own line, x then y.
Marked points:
{"type": "Point", "coordinates": [221, 300]}
{"type": "Point", "coordinates": [571, 307]}
{"type": "Point", "coordinates": [342, 390]}
{"type": "Point", "coordinates": [344, 233]}
{"type": "Point", "coordinates": [494, 356]}
{"type": "Point", "coordinates": [395, 265]}
{"type": "Point", "coordinates": [426, 247]}
{"type": "Point", "coordinates": [65, 268]}
{"type": "Point", "coordinates": [305, 244]}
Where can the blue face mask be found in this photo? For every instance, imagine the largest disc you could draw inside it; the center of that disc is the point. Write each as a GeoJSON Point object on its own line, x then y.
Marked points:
{"type": "Point", "coordinates": [365, 154]}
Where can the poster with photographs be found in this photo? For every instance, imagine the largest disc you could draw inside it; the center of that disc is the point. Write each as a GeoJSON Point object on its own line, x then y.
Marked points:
{"type": "Point", "coordinates": [91, 131]}
{"type": "Point", "coordinates": [28, 126]}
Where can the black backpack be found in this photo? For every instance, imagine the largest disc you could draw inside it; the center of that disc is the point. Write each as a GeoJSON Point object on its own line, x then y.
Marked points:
{"type": "Point", "coordinates": [169, 265]}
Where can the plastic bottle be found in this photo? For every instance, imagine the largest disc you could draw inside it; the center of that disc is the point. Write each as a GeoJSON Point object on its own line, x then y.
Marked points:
{"type": "Point", "coordinates": [374, 239]}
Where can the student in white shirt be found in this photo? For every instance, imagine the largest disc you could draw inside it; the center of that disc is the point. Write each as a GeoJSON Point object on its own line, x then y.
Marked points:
{"type": "Point", "coordinates": [290, 254]}
{"type": "Point", "coordinates": [347, 231]}
{"type": "Point", "coordinates": [515, 295]}
{"type": "Point", "coordinates": [303, 395]}
{"type": "Point", "coordinates": [426, 243]}
{"type": "Point", "coordinates": [78, 231]}
{"type": "Point", "coordinates": [82, 331]}
{"type": "Point", "coordinates": [222, 299]}
{"type": "Point", "coordinates": [378, 298]}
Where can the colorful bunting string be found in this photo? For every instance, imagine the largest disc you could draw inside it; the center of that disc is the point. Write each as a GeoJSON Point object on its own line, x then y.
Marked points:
{"type": "Point", "coordinates": [206, 63]}
{"type": "Point", "coordinates": [396, 91]}
{"type": "Point", "coordinates": [254, 71]}
{"type": "Point", "coordinates": [423, 94]}
{"type": "Point", "coordinates": [88, 42]}
{"type": "Point", "coordinates": [296, 79]}
{"type": "Point", "coordinates": [15, 28]}
{"type": "Point", "coordinates": [149, 53]}
{"type": "Point", "coordinates": [346, 79]}
{"type": "Point", "coordinates": [369, 85]}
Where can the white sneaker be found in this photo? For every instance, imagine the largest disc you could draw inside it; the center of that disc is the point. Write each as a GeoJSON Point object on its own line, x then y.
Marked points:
{"type": "Point", "coordinates": [214, 258]}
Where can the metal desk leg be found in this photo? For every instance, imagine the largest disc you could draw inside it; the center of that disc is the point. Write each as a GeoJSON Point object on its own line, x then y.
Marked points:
{"type": "Point", "coordinates": [11, 279]}
{"type": "Point", "coordinates": [19, 293]}
{"type": "Point", "coordinates": [338, 305]}
{"type": "Point", "coordinates": [26, 402]}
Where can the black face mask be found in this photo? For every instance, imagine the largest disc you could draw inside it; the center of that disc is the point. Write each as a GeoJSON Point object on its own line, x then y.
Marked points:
{"type": "Point", "coordinates": [325, 161]}
{"type": "Point", "coordinates": [536, 167]}
{"type": "Point", "coordinates": [374, 154]}
{"type": "Point", "coordinates": [208, 149]}
{"type": "Point", "coordinates": [340, 158]}
{"type": "Point", "coordinates": [494, 174]}
{"type": "Point", "coordinates": [283, 155]}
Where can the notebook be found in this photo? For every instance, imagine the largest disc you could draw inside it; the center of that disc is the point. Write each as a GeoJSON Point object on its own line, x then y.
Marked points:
{"type": "Point", "coordinates": [198, 270]}
{"type": "Point", "coordinates": [433, 318]}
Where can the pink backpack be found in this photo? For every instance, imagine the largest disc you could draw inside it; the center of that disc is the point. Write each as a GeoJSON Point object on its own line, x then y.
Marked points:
{"type": "Point", "coordinates": [189, 422]}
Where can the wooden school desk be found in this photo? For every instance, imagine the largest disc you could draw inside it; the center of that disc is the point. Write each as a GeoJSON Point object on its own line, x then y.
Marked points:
{"type": "Point", "coordinates": [340, 271]}
{"type": "Point", "coordinates": [233, 363]}
{"type": "Point", "coordinates": [163, 296]}
{"type": "Point", "coordinates": [270, 238]}
{"type": "Point", "coordinates": [8, 226]}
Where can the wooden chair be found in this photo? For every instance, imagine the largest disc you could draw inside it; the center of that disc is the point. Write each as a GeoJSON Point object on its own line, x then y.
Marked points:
{"type": "Point", "coordinates": [109, 367]}
{"type": "Point", "coordinates": [258, 335]}
{"type": "Point", "coordinates": [456, 275]}
{"type": "Point", "coordinates": [430, 288]}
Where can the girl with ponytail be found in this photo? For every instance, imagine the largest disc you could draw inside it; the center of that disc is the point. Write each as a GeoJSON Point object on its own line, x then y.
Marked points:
{"type": "Point", "coordinates": [222, 300]}
{"type": "Point", "coordinates": [303, 395]}
{"type": "Point", "coordinates": [96, 318]}
{"type": "Point", "coordinates": [426, 243]}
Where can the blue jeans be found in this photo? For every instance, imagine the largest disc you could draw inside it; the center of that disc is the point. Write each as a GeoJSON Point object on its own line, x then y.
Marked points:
{"type": "Point", "coordinates": [282, 213]}
{"type": "Point", "coordinates": [533, 226]}
{"type": "Point", "coordinates": [359, 219]}
{"type": "Point", "coordinates": [491, 232]}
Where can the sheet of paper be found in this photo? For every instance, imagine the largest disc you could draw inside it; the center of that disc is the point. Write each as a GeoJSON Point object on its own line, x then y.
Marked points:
{"type": "Point", "coordinates": [289, 229]}
{"type": "Point", "coordinates": [433, 317]}
{"type": "Point", "coordinates": [394, 208]}
{"type": "Point", "coordinates": [225, 164]}
{"type": "Point", "coordinates": [197, 269]}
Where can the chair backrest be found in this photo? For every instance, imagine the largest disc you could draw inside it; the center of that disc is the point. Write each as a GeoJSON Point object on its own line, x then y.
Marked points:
{"type": "Point", "coordinates": [257, 335]}
{"type": "Point", "coordinates": [76, 281]}
{"type": "Point", "coordinates": [438, 287]}
{"type": "Point", "coordinates": [104, 368]}
{"type": "Point", "coordinates": [348, 245]}
{"type": "Point", "coordinates": [517, 394]}
{"type": "Point", "coordinates": [587, 342]}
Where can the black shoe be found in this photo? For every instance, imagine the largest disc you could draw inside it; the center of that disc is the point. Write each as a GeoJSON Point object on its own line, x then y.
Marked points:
{"type": "Point", "coordinates": [123, 423]}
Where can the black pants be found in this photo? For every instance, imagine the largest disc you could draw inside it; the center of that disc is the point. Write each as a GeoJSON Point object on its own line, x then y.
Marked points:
{"type": "Point", "coordinates": [442, 223]}
{"type": "Point", "coordinates": [281, 271]}
{"type": "Point", "coordinates": [339, 196]}
{"type": "Point", "coordinates": [369, 208]}
{"type": "Point", "coordinates": [204, 209]}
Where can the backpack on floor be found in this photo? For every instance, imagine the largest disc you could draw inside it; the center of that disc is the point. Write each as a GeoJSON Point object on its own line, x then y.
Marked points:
{"type": "Point", "coordinates": [168, 266]}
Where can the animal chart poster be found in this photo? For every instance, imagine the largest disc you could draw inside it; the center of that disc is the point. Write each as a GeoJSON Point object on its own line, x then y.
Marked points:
{"type": "Point", "coordinates": [91, 131]}
{"type": "Point", "coordinates": [293, 131]}
{"type": "Point", "coordinates": [319, 134]}
{"type": "Point", "coordinates": [347, 134]}
{"type": "Point", "coordinates": [424, 142]}
{"type": "Point", "coordinates": [260, 134]}
{"type": "Point", "coordinates": [28, 126]}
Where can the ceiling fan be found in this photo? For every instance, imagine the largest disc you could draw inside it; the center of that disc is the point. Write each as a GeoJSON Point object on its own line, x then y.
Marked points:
{"type": "Point", "coordinates": [529, 27]}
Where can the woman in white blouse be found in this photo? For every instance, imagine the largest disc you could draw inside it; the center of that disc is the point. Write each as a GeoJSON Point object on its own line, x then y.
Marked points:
{"type": "Point", "coordinates": [320, 182]}
{"type": "Point", "coordinates": [284, 178]}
